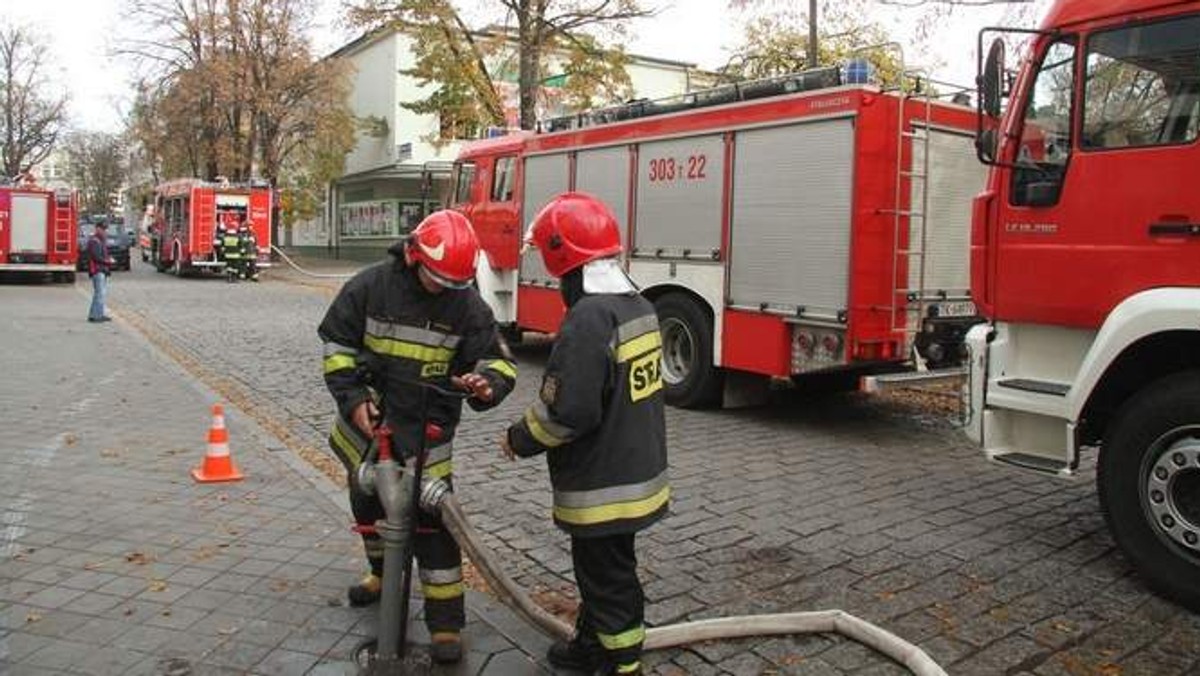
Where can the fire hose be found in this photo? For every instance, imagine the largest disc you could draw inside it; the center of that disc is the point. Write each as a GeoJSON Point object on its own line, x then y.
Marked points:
{"type": "Point", "coordinates": [437, 498]}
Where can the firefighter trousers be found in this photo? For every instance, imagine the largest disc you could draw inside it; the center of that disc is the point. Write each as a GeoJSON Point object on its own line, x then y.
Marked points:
{"type": "Point", "coordinates": [612, 609]}
{"type": "Point", "coordinates": [439, 560]}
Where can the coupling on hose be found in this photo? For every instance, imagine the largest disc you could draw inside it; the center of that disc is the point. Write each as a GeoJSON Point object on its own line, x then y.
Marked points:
{"type": "Point", "coordinates": [433, 492]}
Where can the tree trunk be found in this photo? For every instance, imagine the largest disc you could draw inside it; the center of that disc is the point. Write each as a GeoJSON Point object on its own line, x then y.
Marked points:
{"type": "Point", "coordinates": [529, 29]}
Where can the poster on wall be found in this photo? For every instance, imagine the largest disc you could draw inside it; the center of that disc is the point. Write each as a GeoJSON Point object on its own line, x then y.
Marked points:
{"type": "Point", "coordinates": [367, 219]}
{"type": "Point", "coordinates": [411, 214]}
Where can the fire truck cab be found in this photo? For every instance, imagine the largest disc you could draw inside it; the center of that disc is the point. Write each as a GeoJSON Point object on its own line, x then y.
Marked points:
{"type": "Point", "coordinates": [187, 213]}
{"type": "Point", "coordinates": [1086, 262]}
{"type": "Point", "coordinates": [784, 228]}
{"type": "Point", "coordinates": [38, 230]}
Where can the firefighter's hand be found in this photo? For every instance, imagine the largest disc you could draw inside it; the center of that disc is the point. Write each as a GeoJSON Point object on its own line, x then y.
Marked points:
{"type": "Point", "coordinates": [364, 416]}
{"type": "Point", "coordinates": [479, 387]}
{"type": "Point", "coordinates": [506, 449]}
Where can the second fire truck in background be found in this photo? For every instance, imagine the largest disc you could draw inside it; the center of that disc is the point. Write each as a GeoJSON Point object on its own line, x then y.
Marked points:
{"type": "Point", "coordinates": [187, 213]}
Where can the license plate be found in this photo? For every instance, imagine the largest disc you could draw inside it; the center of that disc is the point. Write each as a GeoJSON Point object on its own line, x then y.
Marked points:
{"type": "Point", "coordinates": [962, 308]}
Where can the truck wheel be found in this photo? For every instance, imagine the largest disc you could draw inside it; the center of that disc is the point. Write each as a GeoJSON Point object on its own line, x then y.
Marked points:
{"type": "Point", "coordinates": [1149, 483]}
{"type": "Point", "coordinates": [687, 335]}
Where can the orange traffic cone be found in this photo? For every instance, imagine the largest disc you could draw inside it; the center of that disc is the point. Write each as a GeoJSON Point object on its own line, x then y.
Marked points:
{"type": "Point", "coordinates": [217, 465]}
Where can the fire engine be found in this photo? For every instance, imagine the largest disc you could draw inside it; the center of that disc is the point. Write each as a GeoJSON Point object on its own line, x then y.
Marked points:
{"type": "Point", "coordinates": [1086, 263]}
{"type": "Point", "coordinates": [785, 228]}
{"type": "Point", "coordinates": [38, 230]}
{"type": "Point", "coordinates": [187, 212]}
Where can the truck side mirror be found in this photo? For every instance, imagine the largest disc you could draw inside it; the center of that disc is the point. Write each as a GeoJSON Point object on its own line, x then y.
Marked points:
{"type": "Point", "coordinates": [991, 81]}
{"type": "Point", "coordinates": [985, 145]}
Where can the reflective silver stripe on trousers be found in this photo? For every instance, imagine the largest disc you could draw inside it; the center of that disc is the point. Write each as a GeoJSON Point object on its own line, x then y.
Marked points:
{"type": "Point", "coordinates": [636, 327]}
{"type": "Point", "coordinates": [441, 575]}
{"type": "Point", "coordinates": [607, 496]}
{"type": "Point", "coordinates": [411, 334]}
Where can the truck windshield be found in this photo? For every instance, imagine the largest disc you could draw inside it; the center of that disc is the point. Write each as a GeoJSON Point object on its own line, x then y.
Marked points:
{"type": "Point", "coordinates": [1143, 85]}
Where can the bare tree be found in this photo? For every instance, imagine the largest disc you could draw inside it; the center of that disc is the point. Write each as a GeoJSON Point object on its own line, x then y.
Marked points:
{"type": "Point", "coordinates": [97, 168]}
{"type": "Point", "coordinates": [30, 120]}
{"type": "Point", "coordinates": [233, 89]}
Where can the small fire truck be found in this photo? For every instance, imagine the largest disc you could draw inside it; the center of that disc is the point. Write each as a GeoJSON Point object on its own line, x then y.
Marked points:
{"type": "Point", "coordinates": [38, 230]}
{"type": "Point", "coordinates": [1086, 262]}
{"type": "Point", "coordinates": [186, 217]}
{"type": "Point", "coordinates": [788, 228]}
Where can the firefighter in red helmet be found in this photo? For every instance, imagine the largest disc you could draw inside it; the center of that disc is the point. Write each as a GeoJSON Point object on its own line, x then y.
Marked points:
{"type": "Point", "coordinates": [599, 420]}
{"type": "Point", "coordinates": [411, 319]}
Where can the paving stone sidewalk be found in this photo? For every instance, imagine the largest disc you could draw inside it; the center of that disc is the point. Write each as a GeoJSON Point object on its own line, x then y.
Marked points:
{"type": "Point", "coordinates": [113, 561]}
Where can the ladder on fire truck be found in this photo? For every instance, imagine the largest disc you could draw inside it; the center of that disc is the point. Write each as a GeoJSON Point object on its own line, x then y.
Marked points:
{"type": "Point", "coordinates": [910, 300]}
{"type": "Point", "coordinates": [909, 224]}
{"type": "Point", "coordinates": [62, 223]}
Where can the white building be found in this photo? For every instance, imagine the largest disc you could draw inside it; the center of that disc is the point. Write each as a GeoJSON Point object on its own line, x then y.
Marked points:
{"type": "Point", "coordinates": [395, 175]}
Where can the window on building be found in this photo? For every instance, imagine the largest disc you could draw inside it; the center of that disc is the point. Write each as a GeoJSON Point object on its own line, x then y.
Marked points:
{"type": "Point", "coordinates": [1143, 85]}
{"type": "Point", "coordinates": [503, 179]}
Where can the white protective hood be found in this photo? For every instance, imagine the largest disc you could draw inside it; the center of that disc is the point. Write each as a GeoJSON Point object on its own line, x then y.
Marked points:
{"type": "Point", "coordinates": [606, 276]}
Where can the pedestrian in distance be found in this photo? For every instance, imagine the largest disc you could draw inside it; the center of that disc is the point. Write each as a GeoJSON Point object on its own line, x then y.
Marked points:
{"type": "Point", "coordinates": [99, 269]}
{"type": "Point", "coordinates": [411, 320]}
{"type": "Point", "coordinates": [599, 419]}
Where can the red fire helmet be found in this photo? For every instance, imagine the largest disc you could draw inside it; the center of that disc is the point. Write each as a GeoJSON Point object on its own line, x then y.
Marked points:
{"type": "Point", "coordinates": [574, 228]}
{"type": "Point", "coordinates": [446, 246]}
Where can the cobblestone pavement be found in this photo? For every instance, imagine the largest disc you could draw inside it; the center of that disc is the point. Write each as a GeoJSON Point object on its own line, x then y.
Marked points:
{"type": "Point", "coordinates": [113, 561]}
{"type": "Point", "coordinates": [812, 502]}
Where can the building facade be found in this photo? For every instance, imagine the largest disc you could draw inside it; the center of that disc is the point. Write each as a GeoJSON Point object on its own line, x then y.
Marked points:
{"type": "Point", "coordinates": [396, 174]}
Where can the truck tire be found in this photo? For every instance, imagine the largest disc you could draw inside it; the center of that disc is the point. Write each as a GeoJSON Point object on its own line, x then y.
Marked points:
{"type": "Point", "coordinates": [1148, 478]}
{"type": "Point", "coordinates": [687, 333]}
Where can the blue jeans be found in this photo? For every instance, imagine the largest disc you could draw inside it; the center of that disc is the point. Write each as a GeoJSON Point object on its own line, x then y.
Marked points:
{"type": "Point", "coordinates": [99, 291]}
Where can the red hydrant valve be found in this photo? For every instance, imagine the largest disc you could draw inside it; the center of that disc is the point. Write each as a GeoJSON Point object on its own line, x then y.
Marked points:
{"type": "Point", "coordinates": [383, 438]}
{"type": "Point", "coordinates": [433, 432]}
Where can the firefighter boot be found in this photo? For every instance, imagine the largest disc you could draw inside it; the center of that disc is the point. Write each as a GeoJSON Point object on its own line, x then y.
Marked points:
{"type": "Point", "coordinates": [365, 592]}
{"type": "Point", "coordinates": [585, 656]}
{"type": "Point", "coordinates": [445, 647]}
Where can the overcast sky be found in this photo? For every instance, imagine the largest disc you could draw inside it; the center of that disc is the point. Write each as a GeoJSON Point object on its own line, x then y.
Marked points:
{"type": "Point", "coordinates": [81, 35]}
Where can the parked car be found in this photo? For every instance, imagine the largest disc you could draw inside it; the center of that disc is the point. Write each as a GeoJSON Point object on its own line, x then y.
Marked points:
{"type": "Point", "coordinates": [120, 240]}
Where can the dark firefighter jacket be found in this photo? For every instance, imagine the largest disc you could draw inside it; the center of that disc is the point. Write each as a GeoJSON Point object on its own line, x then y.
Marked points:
{"type": "Point", "coordinates": [599, 418]}
{"type": "Point", "coordinates": [384, 332]}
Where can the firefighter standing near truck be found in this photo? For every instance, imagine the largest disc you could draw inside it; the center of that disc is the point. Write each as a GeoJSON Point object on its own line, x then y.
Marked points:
{"type": "Point", "coordinates": [396, 324]}
{"type": "Point", "coordinates": [227, 246]}
{"type": "Point", "coordinates": [248, 244]}
{"type": "Point", "coordinates": [599, 420]}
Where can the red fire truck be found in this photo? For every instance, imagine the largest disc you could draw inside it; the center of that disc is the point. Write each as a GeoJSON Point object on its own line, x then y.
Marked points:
{"type": "Point", "coordinates": [1086, 262]}
{"type": "Point", "coordinates": [783, 228]}
{"type": "Point", "coordinates": [38, 231]}
{"type": "Point", "coordinates": [187, 212]}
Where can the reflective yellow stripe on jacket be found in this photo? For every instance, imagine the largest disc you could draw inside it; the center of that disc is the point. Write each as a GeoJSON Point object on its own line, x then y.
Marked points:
{"type": "Point", "coordinates": [547, 432]}
{"type": "Point", "coordinates": [631, 501]}
{"type": "Point", "coordinates": [339, 357]}
{"type": "Point", "coordinates": [410, 342]}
